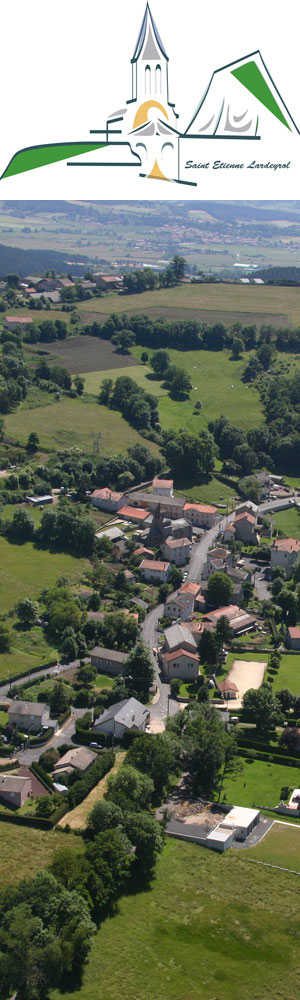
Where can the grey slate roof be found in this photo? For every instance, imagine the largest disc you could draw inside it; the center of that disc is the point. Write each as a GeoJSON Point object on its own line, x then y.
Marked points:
{"type": "Point", "coordinates": [176, 635]}
{"type": "Point", "coordinates": [28, 708]}
{"type": "Point", "coordinates": [128, 713]}
{"type": "Point", "coordinates": [109, 654]}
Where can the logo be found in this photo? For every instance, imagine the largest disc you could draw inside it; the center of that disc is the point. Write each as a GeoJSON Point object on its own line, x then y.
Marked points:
{"type": "Point", "coordinates": [240, 102]}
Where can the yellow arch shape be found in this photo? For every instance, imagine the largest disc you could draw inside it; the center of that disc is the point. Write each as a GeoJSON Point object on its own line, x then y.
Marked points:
{"type": "Point", "coordinates": [142, 113]}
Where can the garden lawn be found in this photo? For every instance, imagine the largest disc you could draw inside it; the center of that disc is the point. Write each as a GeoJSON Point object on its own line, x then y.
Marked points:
{"type": "Point", "coordinates": [24, 851]}
{"type": "Point", "coordinates": [288, 675]}
{"type": "Point", "coordinates": [207, 928]}
{"type": "Point", "coordinates": [281, 847]}
{"type": "Point", "coordinates": [259, 784]}
{"type": "Point", "coordinates": [71, 422]}
{"type": "Point", "coordinates": [288, 521]}
{"type": "Point", "coordinates": [103, 681]}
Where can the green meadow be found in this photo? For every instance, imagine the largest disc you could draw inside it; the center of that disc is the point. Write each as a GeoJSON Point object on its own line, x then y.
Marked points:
{"type": "Point", "coordinates": [259, 784]}
{"type": "Point", "coordinates": [204, 921]}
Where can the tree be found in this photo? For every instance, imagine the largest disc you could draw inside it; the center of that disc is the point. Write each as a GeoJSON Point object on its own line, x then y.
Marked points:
{"type": "Point", "coordinates": [119, 631]}
{"type": "Point", "coordinates": [105, 815]}
{"type": "Point", "coordinates": [156, 755]}
{"type": "Point", "coordinates": [33, 442]}
{"type": "Point", "coordinates": [178, 266]}
{"type": "Point", "coordinates": [5, 638]}
{"type": "Point", "coordinates": [209, 649]}
{"type": "Point", "coordinates": [205, 741]}
{"type": "Point", "coordinates": [21, 528]}
{"type": "Point", "coordinates": [27, 611]}
{"type": "Point", "coordinates": [124, 339]}
{"type": "Point", "coordinates": [146, 835]}
{"type": "Point", "coordinates": [105, 391]}
{"type": "Point", "coordinates": [263, 708]}
{"type": "Point", "coordinates": [160, 361]}
{"type": "Point", "coordinates": [79, 384]}
{"type": "Point", "coordinates": [224, 631]}
{"type": "Point", "coordinates": [60, 698]}
{"type": "Point", "coordinates": [175, 577]}
{"type": "Point", "coordinates": [180, 383]}
{"type": "Point", "coordinates": [237, 347]}
{"type": "Point", "coordinates": [175, 685]}
{"type": "Point", "coordinates": [139, 671]}
{"type": "Point", "coordinates": [130, 789]}
{"type": "Point", "coordinates": [219, 590]}
{"type": "Point", "coordinates": [110, 857]}
{"type": "Point", "coordinates": [144, 357]}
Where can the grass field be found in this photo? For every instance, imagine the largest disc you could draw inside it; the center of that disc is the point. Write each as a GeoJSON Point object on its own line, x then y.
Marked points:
{"type": "Point", "coordinates": [81, 354]}
{"type": "Point", "coordinates": [23, 569]}
{"type": "Point", "coordinates": [103, 681]}
{"type": "Point", "coordinates": [259, 784]}
{"type": "Point", "coordinates": [210, 303]}
{"type": "Point", "coordinates": [288, 521]}
{"type": "Point", "coordinates": [288, 675]}
{"type": "Point", "coordinates": [216, 380]}
{"type": "Point", "coordinates": [281, 847]}
{"type": "Point", "coordinates": [208, 929]}
{"type": "Point", "coordinates": [77, 817]}
{"type": "Point", "coordinates": [69, 423]}
{"type": "Point", "coordinates": [24, 851]}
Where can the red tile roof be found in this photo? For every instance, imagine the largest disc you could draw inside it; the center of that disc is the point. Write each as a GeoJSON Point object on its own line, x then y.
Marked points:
{"type": "Point", "coordinates": [294, 632]}
{"type": "Point", "coordinates": [202, 508]}
{"type": "Point", "coordinates": [154, 564]}
{"type": "Point", "coordinates": [245, 517]}
{"type": "Point", "coordinates": [107, 494]}
{"type": "Point", "coordinates": [180, 652]}
{"type": "Point", "coordinates": [287, 545]}
{"type": "Point", "coordinates": [177, 543]}
{"type": "Point", "coordinates": [134, 513]}
{"type": "Point", "coordinates": [227, 686]}
{"type": "Point", "coordinates": [190, 588]}
{"type": "Point", "coordinates": [165, 483]}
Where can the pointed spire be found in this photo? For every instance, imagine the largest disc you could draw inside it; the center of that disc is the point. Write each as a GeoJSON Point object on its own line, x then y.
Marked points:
{"type": "Point", "coordinates": [153, 40]}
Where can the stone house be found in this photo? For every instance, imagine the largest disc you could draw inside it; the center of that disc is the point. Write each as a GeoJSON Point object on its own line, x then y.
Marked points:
{"type": "Point", "coordinates": [285, 553]}
{"type": "Point", "coordinates": [177, 550]}
{"type": "Point", "coordinates": [14, 790]}
{"type": "Point", "coordinates": [181, 664]}
{"type": "Point", "coordinates": [30, 716]}
{"type": "Point", "coordinates": [108, 661]}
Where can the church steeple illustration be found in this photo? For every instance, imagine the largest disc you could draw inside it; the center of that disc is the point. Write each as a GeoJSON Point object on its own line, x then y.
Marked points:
{"type": "Point", "coordinates": [150, 63]}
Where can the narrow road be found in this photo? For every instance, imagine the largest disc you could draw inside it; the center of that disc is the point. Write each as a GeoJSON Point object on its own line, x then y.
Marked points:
{"type": "Point", "coordinates": [165, 705]}
{"type": "Point", "coordinates": [63, 735]}
{"type": "Point", "coordinates": [43, 672]}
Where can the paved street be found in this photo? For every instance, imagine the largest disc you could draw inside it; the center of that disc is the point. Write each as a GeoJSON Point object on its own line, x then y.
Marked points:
{"type": "Point", "coordinates": [164, 705]}
{"type": "Point", "coordinates": [64, 735]}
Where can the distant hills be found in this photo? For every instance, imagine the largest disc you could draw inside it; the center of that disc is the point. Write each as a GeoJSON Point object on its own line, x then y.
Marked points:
{"type": "Point", "coordinates": [23, 262]}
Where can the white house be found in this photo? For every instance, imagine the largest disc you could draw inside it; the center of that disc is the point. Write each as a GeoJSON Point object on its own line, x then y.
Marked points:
{"type": "Point", "coordinates": [106, 500]}
{"type": "Point", "coordinates": [200, 515]}
{"type": "Point", "coordinates": [179, 605]}
{"type": "Point", "coordinates": [29, 716]}
{"type": "Point", "coordinates": [124, 716]}
{"type": "Point", "coordinates": [163, 487]}
{"type": "Point", "coordinates": [177, 550]}
{"type": "Point", "coordinates": [285, 553]}
{"type": "Point", "coordinates": [155, 570]}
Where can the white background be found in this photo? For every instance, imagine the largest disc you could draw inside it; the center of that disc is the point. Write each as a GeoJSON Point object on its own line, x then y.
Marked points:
{"type": "Point", "coordinates": [65, 66]}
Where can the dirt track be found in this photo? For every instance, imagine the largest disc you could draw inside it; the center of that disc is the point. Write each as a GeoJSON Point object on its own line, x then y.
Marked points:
{"type": "Point", "coordinates": [246, 674]}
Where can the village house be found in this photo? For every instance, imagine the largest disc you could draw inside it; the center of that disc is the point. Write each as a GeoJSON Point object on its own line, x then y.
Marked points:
{"type": "Point", "coordinates": [10, 322]}
{"type": "Point", "coordinates": [285, 553]}
{"type": "Point", "coordinates": [106, 499]}
{"type": "Point", "coordinates": [180, 528]}
{"type": "Point", "coordinates": [179, 637]}
{"type": "Point", "coordinates": [179, 605]}
{"type": "Point", "coordinates": [136, 515]}
{"type": "Point", "coordinates": [14, 790]}
{"type": "Point", "coordinates": [169, 506]}
{"type": "Point", "coordinates": [30, 716]}
{"type": "Point", "coordinates": [77, 759]}
{"type": "Point", "coordinates": [163, 487]}
{"type": "Point", "coordinates": [142, 551]}
{"type": "Point", "coordinates": [108, 282]}
{"type": "Point", "coordinates": [227, 689]}
{"type": "Point", "coordinates": [181, 664]}
{"type": "Point", "coordinates": [245, 528]}
{"type": "Point", "coordinates": [240, 621]}
{"type": "Point", "coordinates": [248, 507]}
{"type": "Point", "coordinates": [108, 661]}
{"type": "Point", "coordinates": [293, 637]}
{"type": "Point", "coordinates": [219, 559]}
{"type": "Point", "coordinates": [125, 716]}
{"type": "Point", "coordinates": [228, 534]}
{"type": "Point", "coordinates": [177, 550]}
{"type": "Point", "coordinates": [200, 515]}
{"type": "Point", "coordinates": [155, 570]}
{"type": "Point", "coordinates": [47, 285]}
